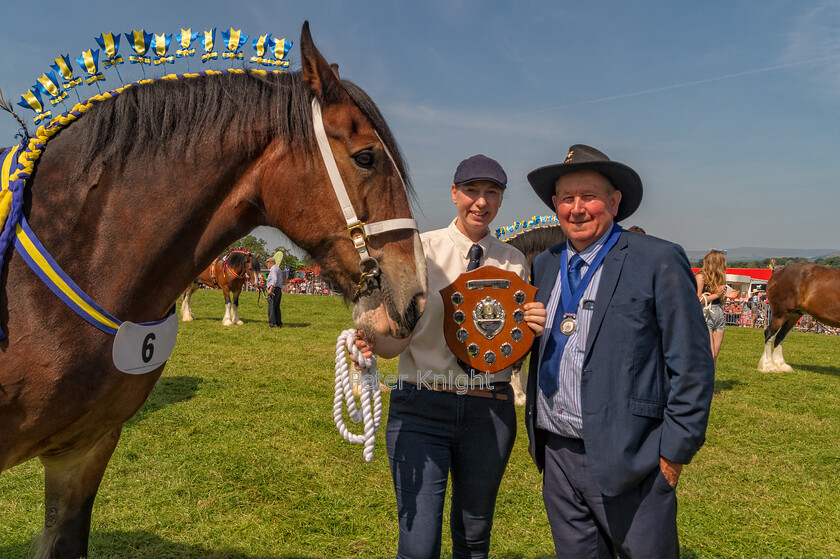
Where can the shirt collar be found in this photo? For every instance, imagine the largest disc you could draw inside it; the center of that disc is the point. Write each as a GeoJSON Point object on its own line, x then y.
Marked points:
{"type": "Point", "coordinates": [589, 252]}
{"type": "Point", "coordinates": [463, 243]}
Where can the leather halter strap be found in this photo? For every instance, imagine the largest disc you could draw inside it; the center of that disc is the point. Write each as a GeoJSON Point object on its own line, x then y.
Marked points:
{"type": "Point", "coordinates": [358, 230]}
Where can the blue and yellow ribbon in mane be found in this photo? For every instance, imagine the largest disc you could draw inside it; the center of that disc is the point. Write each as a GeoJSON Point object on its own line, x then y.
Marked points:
{"type": "Point", "coordinates": [260, 48]}
{"type": "Point", "coordinates": [32, 100]}
{"type": "Point", "coordinates": [160, 44]}
{"type": "Point", "coordinates": [140, 42]}
{"type": "Point", "coordinates": [234, 39]}
{"type": "Point", "coordinates": [207, 40]}
{"type": "Point", "coordinates": [281, 48]}
{"type": "Point", "coordinates": [184, 40]}
{"type": "Point", "coordinates": [63, 67]}
{"type": "Point", "coordinates": [89, 62]}
{"type": "Point", "coordinates": [110, 45]}
{"type": "Point", "coordinates": [48, 84]}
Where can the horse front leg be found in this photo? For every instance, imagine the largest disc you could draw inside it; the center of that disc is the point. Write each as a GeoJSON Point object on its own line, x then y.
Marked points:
{"type": "Point", "coordinates": [71, 482]}
{"type": "Point", "coordinates": [186, 310]}
{"type": "Point", "coordinates": [228, 319]}
{"type": "Point", "coordinates": [235, 308]}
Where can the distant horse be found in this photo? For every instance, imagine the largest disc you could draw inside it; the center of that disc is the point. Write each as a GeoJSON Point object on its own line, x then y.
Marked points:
{"type": "Point", "coordinates": [137, 196]}
{"type": "Point", "coordinates": [531, 243]}
{"type": "Point", "coordinates": [794, 290]}
{"type": "Point", "coordinates": [229, 275]}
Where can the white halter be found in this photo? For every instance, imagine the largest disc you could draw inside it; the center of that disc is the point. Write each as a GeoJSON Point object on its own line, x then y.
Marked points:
{"type": "Point", "coordinates": [359, 231]}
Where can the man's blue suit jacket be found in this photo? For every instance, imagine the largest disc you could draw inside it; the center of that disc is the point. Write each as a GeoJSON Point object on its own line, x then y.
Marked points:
{"type": "Point", "coordinates": [648, 373]}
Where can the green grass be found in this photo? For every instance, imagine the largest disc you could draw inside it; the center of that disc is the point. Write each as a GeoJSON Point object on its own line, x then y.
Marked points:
{"type": "Point", "coordinates": [235, 455]}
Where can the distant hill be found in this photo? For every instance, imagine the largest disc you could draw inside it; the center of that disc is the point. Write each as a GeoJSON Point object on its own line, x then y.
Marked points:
{"type": "Point", "coordinates": [748, 254]}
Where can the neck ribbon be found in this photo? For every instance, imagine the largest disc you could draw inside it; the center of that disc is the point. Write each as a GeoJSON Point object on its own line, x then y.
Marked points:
{"type": "Point", "coordinates": [571, 300]}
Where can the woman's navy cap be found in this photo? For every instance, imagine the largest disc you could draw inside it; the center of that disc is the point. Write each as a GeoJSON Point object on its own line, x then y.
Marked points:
{"type": "Point", "coordinates": [480, 168]}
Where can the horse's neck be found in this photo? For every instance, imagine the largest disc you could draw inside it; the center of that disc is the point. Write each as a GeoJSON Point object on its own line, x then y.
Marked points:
{"type": "Point", "coordinates": [139, 234]}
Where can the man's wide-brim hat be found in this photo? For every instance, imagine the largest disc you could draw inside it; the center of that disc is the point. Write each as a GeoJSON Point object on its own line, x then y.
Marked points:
{"type": "Point", "coordinates": [582, 157]}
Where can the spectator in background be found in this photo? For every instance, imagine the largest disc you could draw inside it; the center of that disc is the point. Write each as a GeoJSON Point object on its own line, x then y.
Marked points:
{"type": "Point", "coordinates": [711, 290]}
{"type": "Point", "coordinates": [274, 294]}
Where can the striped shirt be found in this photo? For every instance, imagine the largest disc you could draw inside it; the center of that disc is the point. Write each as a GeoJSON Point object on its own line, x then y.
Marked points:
{"type": "Point", "coordinates": [561, 414]}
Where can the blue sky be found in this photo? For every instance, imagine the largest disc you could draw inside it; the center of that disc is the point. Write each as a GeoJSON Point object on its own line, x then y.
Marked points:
{"type": "Point", "coordinates": [727, 110]}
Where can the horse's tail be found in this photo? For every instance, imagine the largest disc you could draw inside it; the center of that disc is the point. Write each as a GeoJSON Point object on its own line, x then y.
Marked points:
{"type": "Point", "coordinates": [6, 107]}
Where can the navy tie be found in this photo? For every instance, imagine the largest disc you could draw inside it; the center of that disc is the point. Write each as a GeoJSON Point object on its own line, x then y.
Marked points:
{"type": "Point", "coordinates": [574, 273]}
{"type": "Point", "coordinates": [475, 260]}
{"type": "Point", "coordinates": [475, 257]}
{"type": "Point", "coordinates": [549, 373]}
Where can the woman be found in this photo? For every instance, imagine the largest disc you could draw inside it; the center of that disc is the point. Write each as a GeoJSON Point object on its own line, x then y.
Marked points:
{"type": "Point", "coordinates": [436, 426]}
{"type": "Point", "coordinates": [711, 290]}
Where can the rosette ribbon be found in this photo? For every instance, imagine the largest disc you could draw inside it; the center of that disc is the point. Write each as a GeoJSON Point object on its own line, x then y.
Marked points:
{"type": "Point", "coordinates": [110, 45]}
{"type": "Point", "coordinates": [48, 84]}
{"type": "Point", "coordinates": [63, 67]}
{"type": "Point", "coordinates": [261, 48]}
{"type": "Point", "coordinates": [281, 48]}
{"type": "Point", "coordinates": [207, 40]}
{"type": "Point", "coordinates": [184, 40]}
{"type": "Point", "coordinates": [140, 42]}
{"type": "Point", "coordinates": [160, 44]}
{"type": "Point", "coordinates": [32, 100]}
{"type": "Point", "coordinates": [89, 62]}
{"type": "Point", "coordinates": [234, 40]}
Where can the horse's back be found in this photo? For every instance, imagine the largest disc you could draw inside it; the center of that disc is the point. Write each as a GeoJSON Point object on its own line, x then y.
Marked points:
{"type": "Point", "coordinates": [806, 288]}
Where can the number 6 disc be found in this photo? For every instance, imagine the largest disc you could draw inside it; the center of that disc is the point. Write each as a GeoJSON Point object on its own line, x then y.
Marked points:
{"type": "Point", "coordinates": [140, 348]}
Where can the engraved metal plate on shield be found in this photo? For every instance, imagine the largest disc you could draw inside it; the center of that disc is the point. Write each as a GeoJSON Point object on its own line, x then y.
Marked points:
{"type": "Point", "coordinates": [457, 299]}
{"type": "Point", "coordinates": [472, 350]}
{"type": "Point", "coordinates": [506, 349]}
{"type": "Point", "coordinates": [489, 317]}
{"type": "Point", "coordinates": [489, 357]}
{"type": "Point", "coordinates": [491, 283]}
{"type": "Point", "coordinates": [462, 335]}
{"type": "Point", "coordinates": [518, 316]}
{"type": "Point", "coordinates": [519, 297]}
{"type": "Point", "coordinates": [459, 317]}
{"type": "Point", "coordinates": [516, 334]}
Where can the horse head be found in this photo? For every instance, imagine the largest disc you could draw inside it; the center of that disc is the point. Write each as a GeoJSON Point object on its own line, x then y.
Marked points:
{"type": "Point", "coordinates": [383, 272]}
{"type": "Point", "coordinates": [254, 269]}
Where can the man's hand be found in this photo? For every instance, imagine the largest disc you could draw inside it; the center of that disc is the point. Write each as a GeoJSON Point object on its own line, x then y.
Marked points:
{"type": "Point", "coordinates": [535, 316]}
{"type": "Point", "coordinates": [671, 470]}
{"type": "Point", "coordinates": [365, 346]}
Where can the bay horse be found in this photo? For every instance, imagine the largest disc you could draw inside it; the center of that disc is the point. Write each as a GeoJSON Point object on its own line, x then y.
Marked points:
{"type": "Point", "coordinates": [136, 197]}
{"type": "Point", "coordinates": [794, 290]}
{"type": "Point", "coordinates": [229, 275]}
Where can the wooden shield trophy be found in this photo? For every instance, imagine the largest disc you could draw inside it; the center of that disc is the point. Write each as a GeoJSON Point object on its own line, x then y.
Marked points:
{"type": "Point", "coordinates": [483, 320]}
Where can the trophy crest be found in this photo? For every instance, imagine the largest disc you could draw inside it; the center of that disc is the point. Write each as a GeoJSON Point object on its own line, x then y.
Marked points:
{"type": "Point", "coordinates": [483, 320]}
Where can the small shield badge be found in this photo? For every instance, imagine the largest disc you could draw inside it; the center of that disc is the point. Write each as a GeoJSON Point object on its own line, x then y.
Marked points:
{"type": "Point", "coordinates": [484, 323]}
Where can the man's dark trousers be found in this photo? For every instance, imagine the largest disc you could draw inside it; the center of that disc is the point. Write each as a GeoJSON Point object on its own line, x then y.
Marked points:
{"type": "Point", "coordinates": [275, 317]}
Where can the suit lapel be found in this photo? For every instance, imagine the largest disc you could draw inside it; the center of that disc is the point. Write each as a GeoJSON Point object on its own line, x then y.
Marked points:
{"type": "Point", "coordinates": [546, 281]}
{"type": "Point", "coordinates": [610, 273]}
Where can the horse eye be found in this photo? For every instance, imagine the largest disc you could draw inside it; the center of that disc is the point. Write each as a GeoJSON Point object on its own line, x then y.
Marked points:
{"type": "Point", "coordinates": [364, 159]}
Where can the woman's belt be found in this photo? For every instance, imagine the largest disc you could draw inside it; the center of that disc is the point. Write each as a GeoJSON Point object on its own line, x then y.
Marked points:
{"type": "Point", "coordinates": [494, 393]}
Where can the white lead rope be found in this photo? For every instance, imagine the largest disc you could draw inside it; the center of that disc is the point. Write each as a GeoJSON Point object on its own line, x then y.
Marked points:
{"type": "Point", "coordinates": [371, 398]}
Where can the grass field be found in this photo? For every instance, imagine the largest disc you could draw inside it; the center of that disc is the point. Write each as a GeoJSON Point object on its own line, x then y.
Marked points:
{"type": "Point", "coordinates": [235, 456]}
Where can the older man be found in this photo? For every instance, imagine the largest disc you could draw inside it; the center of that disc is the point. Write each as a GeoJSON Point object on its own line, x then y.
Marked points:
{"type": "Point", "coordinates": [274, 294]}
{"type": "Point", "coordinates": [621, 381]}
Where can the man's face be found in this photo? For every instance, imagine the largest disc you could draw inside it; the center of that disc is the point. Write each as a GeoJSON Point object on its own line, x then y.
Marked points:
{"type": "Point", "coordinates": [478, 203]}
{"type": "Point", "coordinates": [586, 204]}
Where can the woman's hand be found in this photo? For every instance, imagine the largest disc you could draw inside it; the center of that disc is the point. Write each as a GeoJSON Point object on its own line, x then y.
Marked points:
{"type": "Point", "coordinates": [363, 345]}
{"type": "Point", "coordinates": [535, 317]}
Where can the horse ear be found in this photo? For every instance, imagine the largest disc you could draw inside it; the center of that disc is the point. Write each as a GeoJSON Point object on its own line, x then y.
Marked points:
{"type": "Point", "coordinates": [318, 76]}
